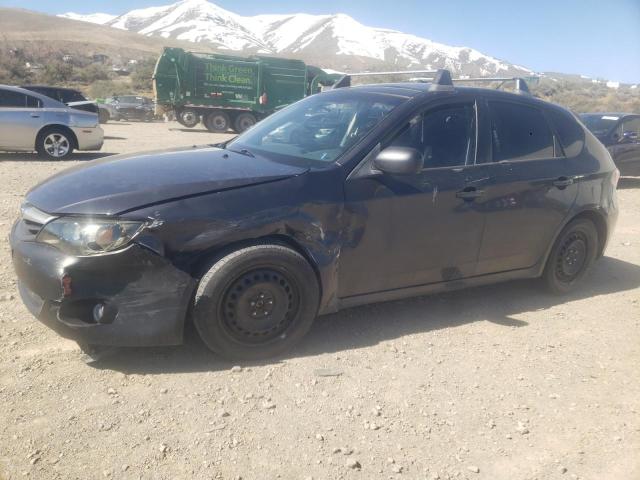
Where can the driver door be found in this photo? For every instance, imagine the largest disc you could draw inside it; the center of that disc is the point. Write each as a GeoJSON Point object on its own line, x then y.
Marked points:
{"type": "Point", "coordinates": [416, 229]}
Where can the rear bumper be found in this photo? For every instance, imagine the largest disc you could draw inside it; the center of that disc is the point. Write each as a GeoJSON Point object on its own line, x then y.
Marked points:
{"type": "Point", "coordinates": [91, 138]}
{"type": "Point", "coordinates": [144, 297]}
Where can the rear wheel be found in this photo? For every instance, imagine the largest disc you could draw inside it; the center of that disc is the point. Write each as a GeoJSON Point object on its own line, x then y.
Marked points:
{"type": "Point", "coordinates": [243, 122]}
{"type": "Point", "coordinates": [572, 255]}
{"type": "Point", "coordinates": [217, 121]}
{"type": "Point", "coordinates": [256, 302]}
{"type": "Point", "coordinates": [188, 118]}
{"type": "Point", "coordinates": [103, 115]}
{"type": "Point", "coordinates": [54, 143]}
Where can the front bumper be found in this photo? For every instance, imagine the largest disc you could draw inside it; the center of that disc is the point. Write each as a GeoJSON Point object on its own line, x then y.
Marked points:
{"type": "Point", "coordinates": [89, 138]}
{"type": "Point", "coordinates": [144, 297]}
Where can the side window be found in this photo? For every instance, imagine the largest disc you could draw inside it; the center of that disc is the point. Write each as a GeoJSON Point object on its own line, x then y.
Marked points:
{"type": "Point", "coordinates": [33, 102]}
{"type": "Point", "coordinates": [519, 132]}
{"type": "Point", "coordinates": [569, 131]}
{"type": "Point", "coordinates": [446, 136]}
{"type": "Point", "coordinates": [11, 99]}
{"type": "Point", "coordinates": [631, 125]}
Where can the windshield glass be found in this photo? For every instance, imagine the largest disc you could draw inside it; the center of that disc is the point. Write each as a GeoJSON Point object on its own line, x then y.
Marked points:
{"type": "Point", "coordinates": [600, 124]}
{"type": "Point", "coordinates": [319, 128]}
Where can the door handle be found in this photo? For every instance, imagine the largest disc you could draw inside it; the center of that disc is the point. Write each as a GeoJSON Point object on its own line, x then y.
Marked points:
{"type": "Point", "coordinates": [469, 193]}
{"type": "Point", "coordinates": [35, 115]}
{"type": "Point", "coordinates": [563, 182]}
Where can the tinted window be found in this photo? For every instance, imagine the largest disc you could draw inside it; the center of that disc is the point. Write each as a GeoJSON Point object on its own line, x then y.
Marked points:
{"type": "Point", "coordinates": [519, 132]}
{"type": "Point", "coordinates": [13, 99]}
{"type": "Point", "coordinates": [631, 125]}
{"type": "Point", "coordinates": [444, 136]}
{"type": "Point", "coordinates": [569, 131]}
{"type": "Point", "coordinates": [68, 96]}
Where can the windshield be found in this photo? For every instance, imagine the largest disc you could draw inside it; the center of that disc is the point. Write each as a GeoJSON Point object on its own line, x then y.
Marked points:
{"type": "Point", "coordinates": [600, 124]}
{"type": "Point", "coordinates": [319, 128]}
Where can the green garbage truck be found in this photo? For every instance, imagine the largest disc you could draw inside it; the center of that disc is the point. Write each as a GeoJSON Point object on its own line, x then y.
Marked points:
{"type": "Point", "coordinates": [229, 92]}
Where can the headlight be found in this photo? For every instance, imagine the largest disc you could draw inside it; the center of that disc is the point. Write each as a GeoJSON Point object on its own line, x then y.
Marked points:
{"type": "Point", "coordinates": [78, 236]}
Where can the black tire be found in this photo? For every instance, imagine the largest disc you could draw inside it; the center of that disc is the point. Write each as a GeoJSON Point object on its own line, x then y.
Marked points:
{"type": "Point", "coordinates": [256, 302]}
{"type": "Point", "coordinates": [572, 256]}
{"type": "Point", "coordinates": [103, 115]}
{"type": "Point", "coordinates": [55, 143]}
{"type": "Point", "coordinates": [217, 121]}
{"type": "Point", "coordinates": [188, 118]}
{"type": "Point", "coordinates": [243, 122]}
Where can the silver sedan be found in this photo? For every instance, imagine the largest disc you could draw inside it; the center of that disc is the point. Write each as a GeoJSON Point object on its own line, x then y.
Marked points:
{"type": "Point", "coordinates": [30, 121]}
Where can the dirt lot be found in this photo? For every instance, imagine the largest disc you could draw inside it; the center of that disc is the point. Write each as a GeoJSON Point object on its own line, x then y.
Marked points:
{"type": "Point", "coordinates": [501, 382]}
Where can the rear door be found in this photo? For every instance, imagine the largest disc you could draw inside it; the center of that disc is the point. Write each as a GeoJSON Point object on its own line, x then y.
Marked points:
{"type": "Point", "coordinates": [21, 117]}
{"type": "Point", "coordinates": [533, 190]}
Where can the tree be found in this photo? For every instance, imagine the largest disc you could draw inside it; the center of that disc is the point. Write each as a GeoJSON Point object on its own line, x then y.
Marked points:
{"type": "Point", "coordinates": [141, 77]}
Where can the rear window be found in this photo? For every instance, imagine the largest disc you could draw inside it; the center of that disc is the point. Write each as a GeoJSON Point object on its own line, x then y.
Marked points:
{"type": "Point", "coordinates": [519, 132]}
{"type": "Point", "coordinates": [570, 133]}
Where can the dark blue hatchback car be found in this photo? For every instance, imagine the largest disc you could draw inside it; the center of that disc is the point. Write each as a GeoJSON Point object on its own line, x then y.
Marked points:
{"type": "Point", "coordinates": [351, 196]}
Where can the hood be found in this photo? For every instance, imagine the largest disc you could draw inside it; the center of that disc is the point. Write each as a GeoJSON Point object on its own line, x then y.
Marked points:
{"type": "Point", "coordinates": [126, 182]}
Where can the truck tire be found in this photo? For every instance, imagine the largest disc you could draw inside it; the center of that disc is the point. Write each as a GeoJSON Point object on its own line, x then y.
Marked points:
{"type": "Point", "coordinates": [243, 122]}
{"type": "Point", "coordinates": [256, 302]}
{"type": "Point", "coordinates": [217, 121]}
{"type": "Point", "coordinates": [188, 118]}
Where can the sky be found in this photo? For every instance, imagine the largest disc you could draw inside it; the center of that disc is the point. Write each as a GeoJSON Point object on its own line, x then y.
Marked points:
{"type": "Point", "coordinates": [598, 38]}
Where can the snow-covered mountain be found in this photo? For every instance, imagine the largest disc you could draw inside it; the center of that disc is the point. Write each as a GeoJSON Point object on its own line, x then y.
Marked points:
{"type": "Point", "coordinates": [99, 18]}
{"type": "Point", "coordinates": [334, 40]}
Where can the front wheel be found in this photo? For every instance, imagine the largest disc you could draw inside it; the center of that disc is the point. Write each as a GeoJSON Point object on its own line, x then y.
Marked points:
{"type": "Point", "coordinates": [256, 302]}
{"type": "Point", "coordinates": [571, 257]}
{"type": "Point", "coordinates": [188, 118]}
{"type": "Point", "coordinates": [217, 121]}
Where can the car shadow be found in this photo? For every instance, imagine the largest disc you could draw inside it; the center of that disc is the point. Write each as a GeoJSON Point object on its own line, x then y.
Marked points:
{"type": "Point", "coordinates": [188, 130]}
{"type": "Point", "coordinates": [33, 157]}
{"type": "Point", "coordinates": [628, 182]}
{"type": "Point", "coordinates": [362, 327]}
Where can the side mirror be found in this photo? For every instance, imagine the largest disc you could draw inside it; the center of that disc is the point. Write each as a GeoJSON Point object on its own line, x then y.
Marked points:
{"type": "Point", "coordinates": [399, 161]}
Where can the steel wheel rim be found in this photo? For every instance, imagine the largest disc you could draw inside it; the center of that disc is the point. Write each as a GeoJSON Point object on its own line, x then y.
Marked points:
{"type": "Point", "coordinates": [259, 306]}
{"type": "Point", "coordinates": [572, 256]}
{"type": "Point", "coordinates": [56, 145]}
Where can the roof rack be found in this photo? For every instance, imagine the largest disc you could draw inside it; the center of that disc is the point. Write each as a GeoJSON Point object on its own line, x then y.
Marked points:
{"type": "Point", "coordinates": [521, 84]}
{"type": "Point", "coordinates": [440, 80]}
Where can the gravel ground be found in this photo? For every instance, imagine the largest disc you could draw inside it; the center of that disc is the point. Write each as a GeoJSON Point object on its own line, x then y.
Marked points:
{"type": "Point", "coordinates": [499, 382]}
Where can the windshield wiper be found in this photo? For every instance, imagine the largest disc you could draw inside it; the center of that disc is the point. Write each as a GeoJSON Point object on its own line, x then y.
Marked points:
{"type": "Point", "coordinates": [243, 151]}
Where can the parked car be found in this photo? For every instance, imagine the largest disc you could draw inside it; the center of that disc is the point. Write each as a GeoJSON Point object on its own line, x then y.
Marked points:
{"type": "Point", "coordinates": [620, 133]}
{"type": "Point", "coordinates": [347, 197]}
{"type": "Point", "coordinates": [31, 121]}
{"type": "Point", "coordinates": [130, 107]}
{"type": "Point", "coordinates": [72, 98]}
